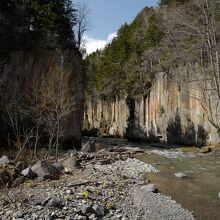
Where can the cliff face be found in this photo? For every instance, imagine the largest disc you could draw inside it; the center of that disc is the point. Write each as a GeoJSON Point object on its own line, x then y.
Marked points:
{"type": "Point", "coordinates": [25, 67]}
{"type": "Point", "coordinates": [172, 112]}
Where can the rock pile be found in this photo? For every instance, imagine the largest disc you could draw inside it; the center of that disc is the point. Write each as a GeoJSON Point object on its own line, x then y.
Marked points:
{"type": "Point", "coordinates": [103, 185]}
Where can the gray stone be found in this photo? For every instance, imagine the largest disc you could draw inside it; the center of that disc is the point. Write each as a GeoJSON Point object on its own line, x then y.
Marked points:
{"type": "Point", "coordinates": [219, 195]}
{"type": "Point", "coordinates": [4, 177]}
{"type": "Point", "coordinates": [48, 217]}
{"type": "Point", "coordinates": [18, 214]}
{"type": "Point", "coordinates": [80, 217]}
{"type": "Point", "coordinates": [45, 201]}
{"type": "Point", "coordinates": [92, 216]}
{"type": "Point", "coordinates": [35, 216]}
{"type": "Point", "coordinates": [21, 166]}
{"type": "Point", "coordinates": [99, 210]}
{"type": "Point", "coordinates": [180, 175]}
{"type": "Point", "coordinates": [89, 146]}
{"type": "Point", "coordinates": [45, 170]}
{"type": "Point", "coordinates": [149, 188]}
{"type": "Point", "coordinates": [4, 160]}
{"type": "Point", "coordinates": [59, 166]}
{"type": "Point", "coordinates": [55, 203]}
{"type": "Point", "coordinates": [28, 173]}
{"type": "Point", "coordinates": [86, 209]}
{"type": "Point", "coordinates": [71, 163]}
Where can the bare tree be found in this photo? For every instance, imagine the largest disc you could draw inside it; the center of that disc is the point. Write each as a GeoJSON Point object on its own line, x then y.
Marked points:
{"type": "Point", "coordinates": [83, 23]}
{"type": "Point", "coordinates": [194, 31]}
{"type": "Point", "coordinates": [18, 116]}
{"type": "Point", "coordinates": [56, 102]}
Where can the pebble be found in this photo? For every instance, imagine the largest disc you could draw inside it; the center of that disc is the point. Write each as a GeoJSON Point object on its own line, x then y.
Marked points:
{"type": "Point", "coordinates": [99, 210]}
{"type": "Point", "coordinates": [149, 188]}
{"type": "Point", "coordinates": [180, 175]}
{"type": "Point", "coordinates": [69, 191]}
{"type": "Point", "coordinates": [111, 189]}
{"type": "Point", "coordinates": [18, 214]}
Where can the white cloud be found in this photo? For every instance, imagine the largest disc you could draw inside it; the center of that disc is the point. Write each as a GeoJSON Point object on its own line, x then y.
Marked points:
{"type": "Point", "coordinates": [92, 44]}
{"type": "Point", "coordinates": [111, 37]}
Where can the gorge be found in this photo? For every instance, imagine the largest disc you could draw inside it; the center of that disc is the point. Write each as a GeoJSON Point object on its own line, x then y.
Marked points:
{"type": "Point", "coordinates": [128, 132]}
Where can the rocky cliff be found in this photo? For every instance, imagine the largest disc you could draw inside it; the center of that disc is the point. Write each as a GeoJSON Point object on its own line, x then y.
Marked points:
{"type": "Point", "coordinates": [27, 66]}
{"type": "Point", "coordinates": [173, 112]}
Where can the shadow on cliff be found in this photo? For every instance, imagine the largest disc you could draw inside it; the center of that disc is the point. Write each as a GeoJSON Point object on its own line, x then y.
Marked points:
{"type": "Point", "coordinates": [134, 132]}
{"type": "Point", "coordinates": [177, 134]}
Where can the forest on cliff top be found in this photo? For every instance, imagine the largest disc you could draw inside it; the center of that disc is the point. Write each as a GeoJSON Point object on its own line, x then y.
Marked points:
{"type": "Point", "coordinates": [177, 33]}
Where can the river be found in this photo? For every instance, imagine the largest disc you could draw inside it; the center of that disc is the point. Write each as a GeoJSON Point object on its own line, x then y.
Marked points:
{"type": "Point", "coordinates": [199, 192]}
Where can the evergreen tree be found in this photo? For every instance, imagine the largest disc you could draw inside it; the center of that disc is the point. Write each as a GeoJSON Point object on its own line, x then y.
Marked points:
{"type": "Point", "coordinates": [25, 22]}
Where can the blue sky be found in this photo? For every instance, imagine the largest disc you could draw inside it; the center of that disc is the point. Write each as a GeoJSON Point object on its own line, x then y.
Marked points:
{"type": "Point", "coordinates": [106, 16]}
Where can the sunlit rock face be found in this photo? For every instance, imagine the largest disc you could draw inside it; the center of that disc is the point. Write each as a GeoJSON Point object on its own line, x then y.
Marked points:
{"type": "Point", "coordinates": [26, 67]}
{"type": "Point", "coordinates": [174, 111]}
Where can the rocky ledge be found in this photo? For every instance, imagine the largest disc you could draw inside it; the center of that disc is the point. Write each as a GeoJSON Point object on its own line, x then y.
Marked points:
{"type": "Point", "coordinates": [103, 185]}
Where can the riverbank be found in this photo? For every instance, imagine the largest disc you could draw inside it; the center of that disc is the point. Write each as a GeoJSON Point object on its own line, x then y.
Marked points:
{"type": "Point", "coordinates": [106, 185]}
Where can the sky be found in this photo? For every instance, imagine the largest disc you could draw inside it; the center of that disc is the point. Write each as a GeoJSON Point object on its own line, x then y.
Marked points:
{"type": "Point", "coordinates": [106, 17]}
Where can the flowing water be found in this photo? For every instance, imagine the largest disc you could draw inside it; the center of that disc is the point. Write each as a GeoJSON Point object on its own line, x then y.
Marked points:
{"type": "Point", "coordinates": [199, 192]}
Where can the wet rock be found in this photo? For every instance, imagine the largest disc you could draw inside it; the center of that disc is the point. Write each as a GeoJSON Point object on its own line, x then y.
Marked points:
{"type": "Point", "coordinates": [4, 160]}
{"type": "Point", "coordinates": [28, 173]}
{"type": "Point", "coordinates": [99, 210]}
{"type": "Point", "coordinates": [216, 152]}
{"type": "Point", "coordinates": [45, 170]}
{"type": "Point", "coordinates": [58, 166]}
{"type": "Point", "coordinates": [89, 146]}
{"type": "Point", "coordinates": [86, 209]}
{"type": "Point", "coordinates": [189, 149]}
{"type": "Point", "coordinates": [205, 150]}
{"type": "Point", "coordinates": [180, 175]}
{"type": "Point", "coordinates": [149, 188]}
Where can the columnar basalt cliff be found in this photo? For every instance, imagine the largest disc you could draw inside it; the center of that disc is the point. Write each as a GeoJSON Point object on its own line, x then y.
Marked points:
{"type": "Point", "coordinates": [27, 66]}
{"type": "Point", "coordinates": [173, 112]}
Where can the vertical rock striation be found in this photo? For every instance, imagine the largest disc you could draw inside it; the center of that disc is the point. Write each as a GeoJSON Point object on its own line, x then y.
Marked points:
{"type": "Point", "coordinates": [173, 112]}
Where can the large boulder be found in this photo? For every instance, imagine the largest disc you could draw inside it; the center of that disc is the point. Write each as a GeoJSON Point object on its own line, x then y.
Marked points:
{"type": "Point", "coordinates": [45, 170]}
{"type": "Point", "coordinates": [20, 166]}
{"type": "Point", "coordinates": [71, 163]}
{"type": "Point", "coordinates": [59, 166]}
{"type": "Point", "coordinates": [4, 160]}
{"type": "Point", "coordinates": [28, 173]}
{"type": "Point", "coordinates": [89, 146]}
